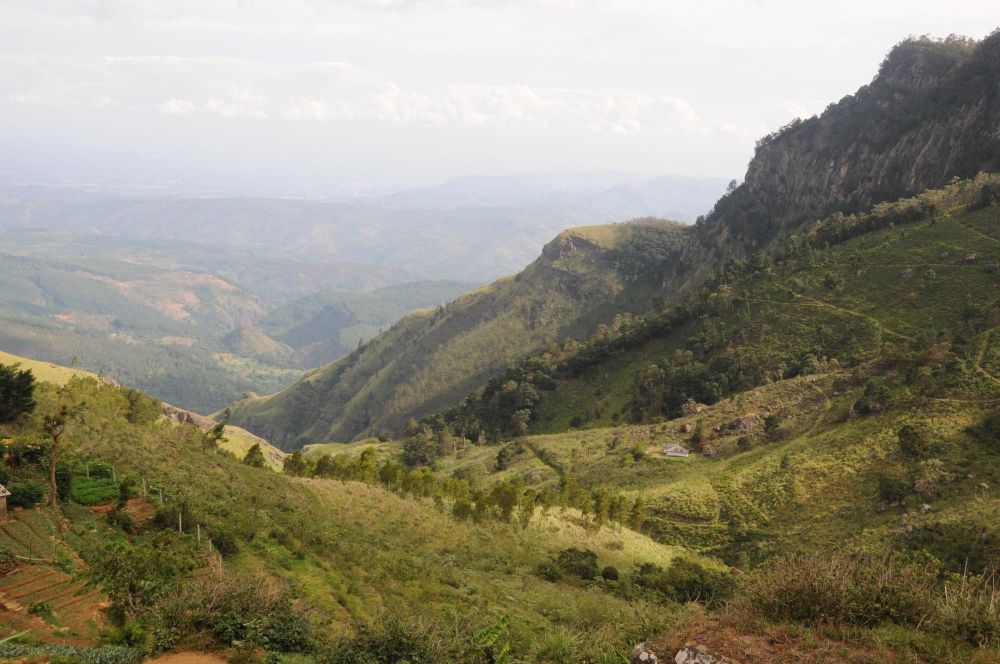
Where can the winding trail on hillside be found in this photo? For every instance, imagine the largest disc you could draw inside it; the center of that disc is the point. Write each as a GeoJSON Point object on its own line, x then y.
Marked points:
{"type": "Point", "coordinates": [850, 312]}
{"type": "Point", "coordinates": [981, 356]}
{"type": "Point", "coordinates": [827, 406]}
{"type": "Point", "coordinates": [977, 232]}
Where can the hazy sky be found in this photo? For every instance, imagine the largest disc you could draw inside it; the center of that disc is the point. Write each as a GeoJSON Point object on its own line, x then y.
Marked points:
{"type": "Point", "coordinates": [323, 95]}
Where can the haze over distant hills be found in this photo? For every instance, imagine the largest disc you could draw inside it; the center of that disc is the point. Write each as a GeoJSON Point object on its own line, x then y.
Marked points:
{"type": "Point", "coordinates": [245, 293]}
{"type": "Point", "coordinates": [471, 228]}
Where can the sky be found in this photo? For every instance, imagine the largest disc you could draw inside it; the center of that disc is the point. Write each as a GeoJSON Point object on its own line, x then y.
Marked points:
{"type": "Point", "coordinates": [323, 97]}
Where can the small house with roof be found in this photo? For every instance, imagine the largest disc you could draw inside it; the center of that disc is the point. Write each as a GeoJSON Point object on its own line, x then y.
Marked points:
{"type": "Point", "coordinates": [676, 450]}
{"type": "Point", "coordinates": [3, 502]}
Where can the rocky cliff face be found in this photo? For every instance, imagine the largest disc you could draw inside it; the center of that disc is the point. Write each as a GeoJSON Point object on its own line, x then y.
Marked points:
{"type": "Point", "coordinates": [932, 113]}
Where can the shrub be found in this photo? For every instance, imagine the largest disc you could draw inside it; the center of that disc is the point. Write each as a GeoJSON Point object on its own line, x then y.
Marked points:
{"type": "Point", "coordinates": [117, 517]}
{"type": "Point", "coordinates": [25, 494]}
{"type": "Point", "coordinates": [101, 469]}
{"type": "Point", "coordinates": [64, 481]}
{"type": "Point", "coordinates": [41, 609]}
{"type": "Point", "coordinates": [549, 571]}
{"type": "Point", "coordinates": [970, 610]}
{"type": "Point", "coordinates": [224, 541]}
{"type": "Point", "coordinates": [578, 562]}
{"type": "Point", "coordinates": [8, 561]}
{"type": "Point", "coordinates": [687, 581]}
{"type": "Point", "coordinates": [862, 589]}
{"type": "Point", "coordinates": [914, 442]}
{"type": "Point", "coordinates": [894, 482]}
{"type": "Point", "coordinates": [875, 399]}
{"type": "Point", "coordinates": [391, 638]}
{"type": "Point", "coordinates": [237, 609]}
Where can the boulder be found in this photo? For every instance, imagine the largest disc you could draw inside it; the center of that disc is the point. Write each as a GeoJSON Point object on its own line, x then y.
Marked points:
{"type": "Point", "coordinates": [746, 423]}
{"type": "Point", "coordinates": [641, 654]}
{"type": "Point", "coordinates": [694, 653]}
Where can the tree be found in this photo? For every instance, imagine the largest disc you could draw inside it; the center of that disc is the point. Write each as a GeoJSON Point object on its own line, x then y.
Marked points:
{"type": "Point", "coordinates": [54, 424]}
{"type": "Point", "coordinates": [217, 434]}
{"type": "Point", "coordinates": [914, 442]}
{"type": "Point", "coordinates": [602, 507]}
{"type": "Point", "coordinates": [638, 517]}
{"type": "Point", "coordinates": [142, 409]}
{"type": "Point", "coordinates": [420, 446]}
{"type": "Point", "coordinates": [17, 392]}
{"type": "Point", "coordinates": [295, 464]}
{"type": "Point", "coordinates": [255, 457]}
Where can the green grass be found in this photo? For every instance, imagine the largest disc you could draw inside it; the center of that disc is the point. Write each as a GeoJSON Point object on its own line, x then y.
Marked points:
{"type": "Point", "coordinates": [46, 371]}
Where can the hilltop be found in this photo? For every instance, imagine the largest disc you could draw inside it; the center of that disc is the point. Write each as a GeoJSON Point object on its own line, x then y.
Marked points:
{"type": "Point", "coordinates": [431, 358]}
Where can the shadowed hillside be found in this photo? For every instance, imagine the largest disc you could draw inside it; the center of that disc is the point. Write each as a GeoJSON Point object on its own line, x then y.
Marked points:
{"type": "Point", "coordinates": [431, 358]}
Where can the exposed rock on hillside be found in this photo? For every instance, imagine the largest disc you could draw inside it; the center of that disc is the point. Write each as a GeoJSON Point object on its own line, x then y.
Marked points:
{"type": "Point", "coordinates": [931, 114]}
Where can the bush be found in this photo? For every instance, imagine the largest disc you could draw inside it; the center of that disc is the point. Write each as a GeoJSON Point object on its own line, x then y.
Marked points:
{"type": "Point", "coordinates": [549, 571]}
{"type": "Point", "coordinates": [235, 609]}
{"type": "Point", "coordinates": [914, 442]}
{"type": "Point", "coordinates": [224, 541]}
{"type": "Point", "coordinates": [101, 469]}
{"type": "Point", "coordinates": [970, 610]}
{"type": "Point", "coordinates": [25, 494]}
{"type": "Point", "coordinates": [64, 481]}
{"type": "Point", "coordinates": [390, 638]}
{"type": "Point", "coordinates": [862, 589]}
{"type": "Point", "coordinates": [687, 581]}
{"type": "Point", "coordinates": [875, 399]}
{"type": "Point", "coordinates": [578, 562]}
{"type": "Point", "coordinates": [117, 517]}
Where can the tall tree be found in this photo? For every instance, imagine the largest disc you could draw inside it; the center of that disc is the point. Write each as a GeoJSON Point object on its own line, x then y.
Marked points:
{"type": "Point", "coordinates": [255, 457]}
{"type": "Point", "coordinates": [54, 424]}
{"type": "Point", "coordinates": [17, 392]}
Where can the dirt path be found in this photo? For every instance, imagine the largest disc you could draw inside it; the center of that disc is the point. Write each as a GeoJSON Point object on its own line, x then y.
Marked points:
{"type": "Point", "coordinates": [811, 302]}
{"type": "Point", "coordinates": [190, 657]}
{"type": "Point", "coordinates": [979, 233]}
{"type": "Point", "coordinates": [981, 356]}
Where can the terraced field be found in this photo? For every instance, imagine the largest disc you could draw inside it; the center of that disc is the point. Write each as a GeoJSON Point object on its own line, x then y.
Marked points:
{"type": "Point", "coordinates": [38, 596]}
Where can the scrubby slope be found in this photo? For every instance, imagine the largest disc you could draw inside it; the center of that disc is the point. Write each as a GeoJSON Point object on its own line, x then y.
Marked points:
{"type": "Point", "coordinates": [431, 358]}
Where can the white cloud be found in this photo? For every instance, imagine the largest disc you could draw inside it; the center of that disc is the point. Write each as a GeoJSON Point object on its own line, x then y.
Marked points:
{"type": "Point", "coordinates": [334, 92]}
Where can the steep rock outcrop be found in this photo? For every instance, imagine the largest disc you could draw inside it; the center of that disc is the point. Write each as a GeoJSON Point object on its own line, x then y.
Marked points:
{"type": "Point", "coordinates": [931, 114]}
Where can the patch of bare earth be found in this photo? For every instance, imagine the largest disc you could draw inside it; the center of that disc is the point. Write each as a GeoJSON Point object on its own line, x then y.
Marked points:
{"type": "Point", "coordinates": [747, 643]}
{"type": "Point", "coordinates": [190, 657]}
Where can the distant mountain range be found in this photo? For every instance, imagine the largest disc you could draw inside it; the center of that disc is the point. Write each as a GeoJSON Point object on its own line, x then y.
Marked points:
{"type": "Point", "coordinates": [470, 229]}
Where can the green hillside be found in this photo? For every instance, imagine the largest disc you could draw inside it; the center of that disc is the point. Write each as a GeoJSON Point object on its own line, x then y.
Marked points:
{"type": "Point", "coordinates": [347, 552]}
{"type": "Point", "coordinates": [430, 358]}
{"type": "Point", "coordinates": [921, 282]}
{"type": "Point", "coordinates": [45, 371]}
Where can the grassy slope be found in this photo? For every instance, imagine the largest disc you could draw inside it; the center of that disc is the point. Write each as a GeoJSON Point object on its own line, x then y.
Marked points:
{"type": "Point", "coordinates": [818, 486]}
{"type": "Point", "coordinates": [351, 548]}
{"type": "Point", "coordinates": [886, 297]}
{"type": "Point", "coordinates": [51, 373]}
{"type": "Point", "coordinates": [431, 359]}
{"type": "Point", "coordinates": [238, 441]}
